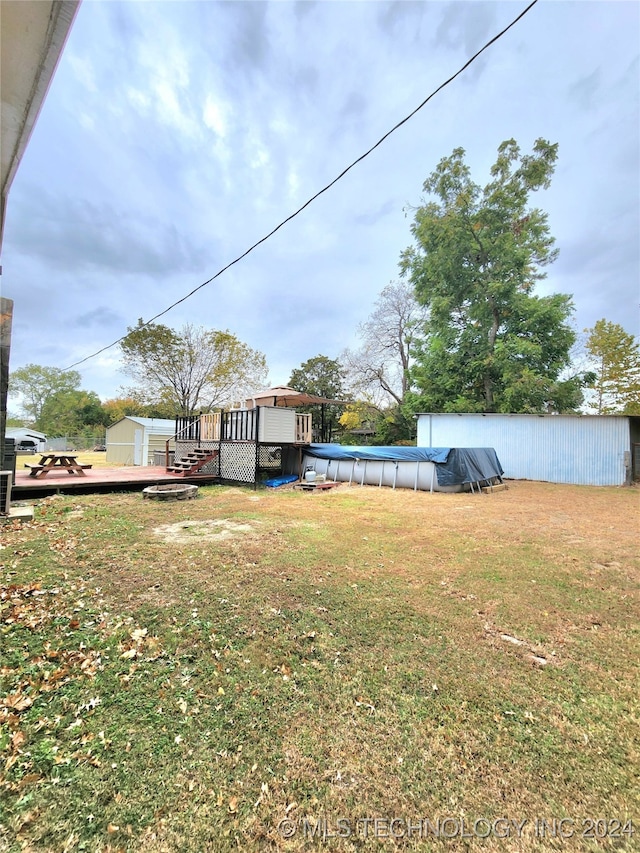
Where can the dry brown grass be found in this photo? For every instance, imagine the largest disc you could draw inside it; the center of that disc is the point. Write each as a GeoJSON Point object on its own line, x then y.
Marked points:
{"type": "Point", "coordinates": [357, 653]}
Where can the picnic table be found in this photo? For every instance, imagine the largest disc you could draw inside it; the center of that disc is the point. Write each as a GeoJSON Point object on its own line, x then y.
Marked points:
{"type": "Point", "coordinates": [56, 462]}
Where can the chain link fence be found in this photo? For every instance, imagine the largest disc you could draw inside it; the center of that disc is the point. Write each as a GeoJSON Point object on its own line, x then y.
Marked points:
{"type": "Point", "coordinates": [81, 441]}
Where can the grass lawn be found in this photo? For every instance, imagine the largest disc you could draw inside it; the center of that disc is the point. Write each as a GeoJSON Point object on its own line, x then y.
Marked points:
{"type": "Point", "coordinates": [95, 459]}
{"type": "Point", "coordinates": [358, 669]}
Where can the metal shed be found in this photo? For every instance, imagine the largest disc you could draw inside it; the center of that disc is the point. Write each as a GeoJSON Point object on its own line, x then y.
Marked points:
{"type": "Point", "coordinates": [27, 436]}
{"type": "Point", "coordinates": [590, 450]}
{"type": "Point", "coordinates": [133, 440]}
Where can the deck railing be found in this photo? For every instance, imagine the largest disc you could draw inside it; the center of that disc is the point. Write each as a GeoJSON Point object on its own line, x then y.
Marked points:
{"type": "Point", "coordinates": [210, 426]}
{"type": "Point", "coordinates": [239, 425]}
{"type": "Point", "coordinates": [188, 427]}
{"type": "Point", "coordinates": [303, 429]}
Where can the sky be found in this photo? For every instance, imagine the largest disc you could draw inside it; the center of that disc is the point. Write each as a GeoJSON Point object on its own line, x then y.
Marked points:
{"type": "Point", "coordinates": [177, 134]}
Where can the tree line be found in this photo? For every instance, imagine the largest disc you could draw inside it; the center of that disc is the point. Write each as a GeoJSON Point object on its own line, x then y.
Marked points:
{"type": "Point", "coordinates": [173, 373]}
{"type": "Point", "coordinates": [462, 330]}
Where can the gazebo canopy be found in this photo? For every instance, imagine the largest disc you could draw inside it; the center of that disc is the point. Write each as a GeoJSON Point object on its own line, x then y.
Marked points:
{"type": "Point", "coordinates": [281, 395]}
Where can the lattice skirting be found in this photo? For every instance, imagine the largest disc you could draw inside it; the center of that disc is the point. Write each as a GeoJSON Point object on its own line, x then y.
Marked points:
{"type": "Point", "coordinates": [237, 460]}
{"type": "Point", "coordinates": [269, 457]}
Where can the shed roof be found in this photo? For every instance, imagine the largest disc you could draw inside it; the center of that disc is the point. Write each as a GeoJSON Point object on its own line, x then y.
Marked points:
{"type": "Point", "coordinates": [27, 432]}
{"type": "Point", "coordinates": [159, 424]}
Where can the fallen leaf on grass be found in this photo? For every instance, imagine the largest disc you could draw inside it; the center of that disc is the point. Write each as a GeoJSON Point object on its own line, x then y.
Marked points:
{"type": "Point", "coordinates": [29, 779]}
{"type": "Point", "coordinates": [152, 648]}
{"type": "Point", "coordinates": [17, 701]}
{"type": "Point", "coordinates": [138, 634]}
{"type": "Point", "coordinates": [28, 818]}
{"type": "Point", "coordinates": [17, 739]}
{"type": "Point", "coordinates": [10, 762]}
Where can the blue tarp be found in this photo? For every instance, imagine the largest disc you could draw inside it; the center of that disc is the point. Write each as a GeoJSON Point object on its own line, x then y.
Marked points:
{"type": "Point", "coordinates": [454, 465]}
{"type": "Point", "coordinates": [275, 482]}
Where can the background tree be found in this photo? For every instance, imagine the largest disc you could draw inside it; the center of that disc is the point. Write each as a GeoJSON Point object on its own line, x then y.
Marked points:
{"type": "Point", "coordinates": [323, 377]}
{"type": "Point", "coordinates": [37, 384]}
{"type": "Point", "coordinates": [358, 422]}
{"type": "Point", "coordinates": [491, 344]}
{"type": "Point", "coordinates": [15, 421]}
{"type": "Point", "coordinates": [133, 403]}
{"type": "Point", "coordinates": [379, 369]}
{"type": "Point", "coordinates": [117, 408]}
{"type": "Point", "coordinates": [616, 365]}
{"type": "Point", "coordinates": [70, 412]}
{"type": "Point", "coordinates": [191, 369]}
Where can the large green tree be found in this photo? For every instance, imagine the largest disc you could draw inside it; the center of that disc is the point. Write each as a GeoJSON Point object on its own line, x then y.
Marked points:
{"type": "Point", "coordinates": [70, 412]}
{"type": "Point", "coordinates": [37, 384]}
{"type": "Point", "coordinates": [190, 369]}
{"type": "Point", "coordinates": [616, 364]}
{"type": "Point", "coordinates": [322, 377]}
{"type": "Point", "coordinates": [491, 343]}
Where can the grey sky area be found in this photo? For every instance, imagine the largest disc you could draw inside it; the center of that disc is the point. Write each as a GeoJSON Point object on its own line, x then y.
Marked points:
{"type": "Point", "coordinates": [176, 134]}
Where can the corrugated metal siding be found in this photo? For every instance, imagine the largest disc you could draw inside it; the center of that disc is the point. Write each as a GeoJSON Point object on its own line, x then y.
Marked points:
{"type": "Point", "coordinates": [591, 451]}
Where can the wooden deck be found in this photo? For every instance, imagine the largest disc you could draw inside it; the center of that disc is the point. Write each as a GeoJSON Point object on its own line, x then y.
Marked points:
{"type": "Point", "coordinates": [129, 478]}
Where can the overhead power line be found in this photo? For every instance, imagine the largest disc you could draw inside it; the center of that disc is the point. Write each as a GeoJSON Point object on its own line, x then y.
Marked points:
{"type": "Point", "coordinates": [320, 192]}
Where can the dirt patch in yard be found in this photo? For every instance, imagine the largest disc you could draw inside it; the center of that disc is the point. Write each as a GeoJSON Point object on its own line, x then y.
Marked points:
{"type": "Point", "coordinates": [217, 530]}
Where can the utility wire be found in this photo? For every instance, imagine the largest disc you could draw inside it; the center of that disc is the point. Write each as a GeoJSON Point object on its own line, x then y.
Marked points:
{"type": "Point", "coordinates": [323, 190]}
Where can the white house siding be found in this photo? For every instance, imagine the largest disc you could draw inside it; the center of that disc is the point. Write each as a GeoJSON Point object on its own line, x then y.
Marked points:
{"type": "Point", "coordinates": [585, 450]}
{"type": "Point", "coordinates": [277, 425]}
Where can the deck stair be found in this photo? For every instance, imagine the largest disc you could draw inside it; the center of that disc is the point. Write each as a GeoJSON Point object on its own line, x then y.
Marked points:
{"type": "Point", "coordinates": [192, 462]}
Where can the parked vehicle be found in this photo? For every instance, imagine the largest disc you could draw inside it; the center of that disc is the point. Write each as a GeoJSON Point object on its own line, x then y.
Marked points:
{"type": "Point", "coordinates": [26, 447]}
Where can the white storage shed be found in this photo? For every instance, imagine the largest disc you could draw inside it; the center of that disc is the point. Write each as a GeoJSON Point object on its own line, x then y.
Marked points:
{"type": "Point", "coordinates": [133, 440]}
{"type": "Point", "coordinates": [590, 450]}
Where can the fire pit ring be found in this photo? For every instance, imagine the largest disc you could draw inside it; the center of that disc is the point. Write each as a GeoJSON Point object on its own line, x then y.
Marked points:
{"type": "Point", "coordinates": [170, 492]}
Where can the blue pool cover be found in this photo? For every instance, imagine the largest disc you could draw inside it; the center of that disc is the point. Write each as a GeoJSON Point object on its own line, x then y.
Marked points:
{"type": "Point", "coordinates": [454, 465]}
{"type": "Point", "coordinates": [274, 482]}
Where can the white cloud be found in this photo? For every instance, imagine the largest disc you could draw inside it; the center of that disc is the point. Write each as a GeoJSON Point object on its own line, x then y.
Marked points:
{"type": "Point", "coordinates": [83, 70]}
{"type": "Point", "coordinates": [175, 135]}
{"type": "Point", "coordinates": [214, 116]}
